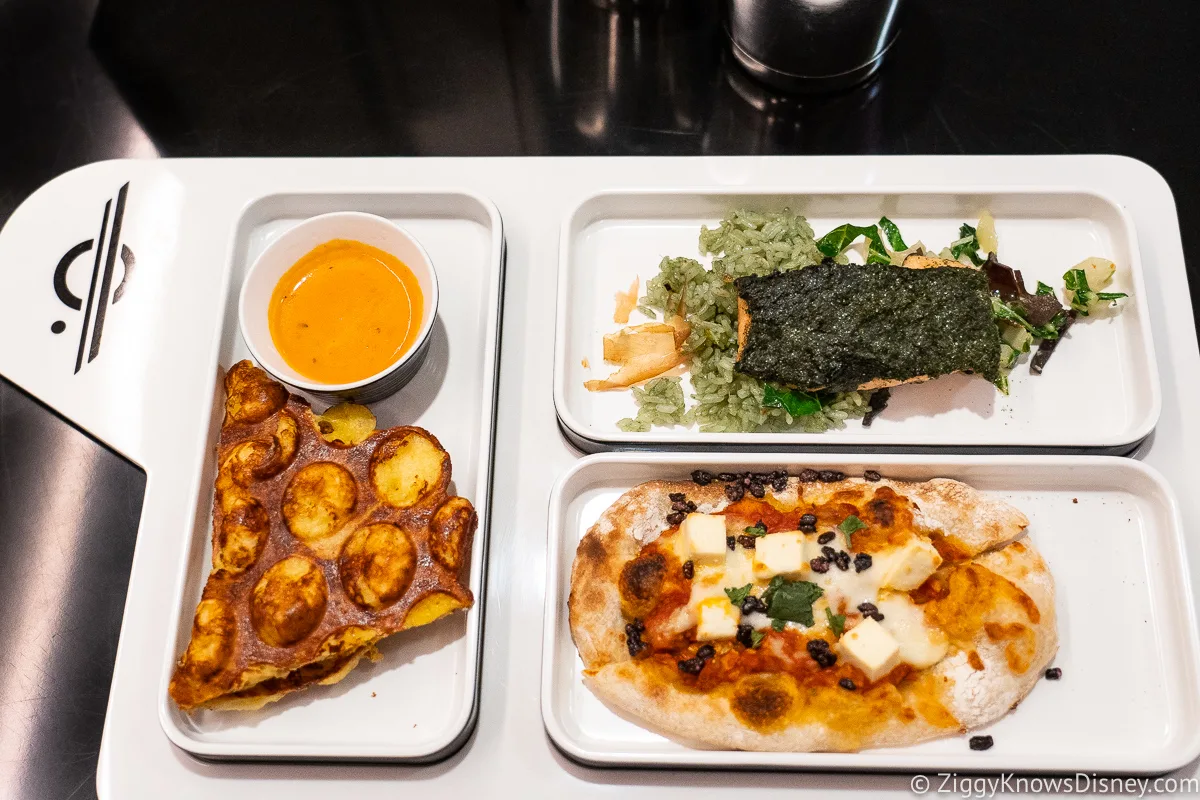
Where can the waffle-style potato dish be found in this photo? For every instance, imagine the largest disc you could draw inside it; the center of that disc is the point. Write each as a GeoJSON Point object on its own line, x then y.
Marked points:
{"type": "Point", "coordinates": [320, 548]}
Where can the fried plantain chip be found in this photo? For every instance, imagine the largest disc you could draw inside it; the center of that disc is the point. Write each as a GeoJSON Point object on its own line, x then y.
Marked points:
{"type": "Point", "coordinates": [346, 423]}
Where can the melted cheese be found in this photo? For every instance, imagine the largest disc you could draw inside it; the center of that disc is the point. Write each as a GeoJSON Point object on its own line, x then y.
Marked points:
{"type": "Point", "coordinates": [920, 645]}
{"type": "Point", "coordinates": [739, 568]}
{"type": "Point", "coordinates": [706, 583]}
{"type": "Point", "coordinates": [760, 622]}
{"type": "Point", "coordinates": [844, 591]}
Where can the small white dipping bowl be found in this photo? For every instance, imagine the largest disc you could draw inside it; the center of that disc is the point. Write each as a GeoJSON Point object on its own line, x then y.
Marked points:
{"type": "Point", "coordinates": [284, 252]}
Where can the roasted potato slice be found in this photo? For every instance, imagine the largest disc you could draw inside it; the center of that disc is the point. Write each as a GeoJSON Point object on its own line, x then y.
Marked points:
{"type": "Point", "coordinates": [346, 423]}
{"type": "Point", "coordinates": [451, 529]}
{"type": "Point", "coordinates": [214, 630]}
{"type": "Point", "coordinates": [252, 395]}
{"type": "Point", "coordinates": [283, 447]}
{"type": "Point", "coordinates": [409, 466]}
{"type": "Point", "coordinates": [377, 565]}
{"type": "Point", "coordinates": [431, 608]}
{"type": "Point", "coordinates": [288, 601]}
{"type": "Point", "coordinates": [242, 535]}
{"type": "Point", "coordinates": [318, 500]}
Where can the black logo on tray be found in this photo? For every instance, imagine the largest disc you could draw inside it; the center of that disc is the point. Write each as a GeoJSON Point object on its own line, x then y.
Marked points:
{"type": "Point", "coordinates": [107, 248]}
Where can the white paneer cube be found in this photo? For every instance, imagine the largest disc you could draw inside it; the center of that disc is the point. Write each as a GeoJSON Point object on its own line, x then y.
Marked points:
{"type": "Point", "coordinates": [718, 619]}
{"type": "Point", "coordinates": [780, 554]}
{"type": "Point", "coordinates": [705, 535]}
{"type": "Point", "coordinates": [870, 648]}
{"type": "Point", "coordinates": [907, 567]}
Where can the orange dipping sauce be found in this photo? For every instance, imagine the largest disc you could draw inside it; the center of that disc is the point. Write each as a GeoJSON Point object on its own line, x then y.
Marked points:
{"type": "Point", "coordinates": [344, 312]}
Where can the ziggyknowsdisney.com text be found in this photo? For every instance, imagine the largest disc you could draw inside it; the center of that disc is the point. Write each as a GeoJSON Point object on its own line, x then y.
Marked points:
{"type": "Point", "coordinates": [974, 786]}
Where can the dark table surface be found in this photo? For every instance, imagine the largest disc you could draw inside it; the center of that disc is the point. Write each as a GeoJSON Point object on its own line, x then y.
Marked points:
{"type": "Point", "coordinates": [82, 81]}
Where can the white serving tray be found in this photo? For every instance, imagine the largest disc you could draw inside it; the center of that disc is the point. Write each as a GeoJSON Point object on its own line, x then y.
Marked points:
{"type": "Point", "coordinates": [158, 366]}
{"type": "Point", "coordinates": [419, 702]}
{"type": "Point", "coordinates": [1109, 528]}
{"type": "Point", "coordinates": [613, 236]}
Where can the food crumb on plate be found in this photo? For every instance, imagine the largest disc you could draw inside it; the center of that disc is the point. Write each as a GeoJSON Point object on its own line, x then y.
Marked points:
{"type": "Point", "coordinates": [584, 363]}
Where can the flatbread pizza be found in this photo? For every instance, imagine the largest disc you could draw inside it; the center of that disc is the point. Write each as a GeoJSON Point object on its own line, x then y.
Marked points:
{"type": "Point", "coordinates": [817, 612]}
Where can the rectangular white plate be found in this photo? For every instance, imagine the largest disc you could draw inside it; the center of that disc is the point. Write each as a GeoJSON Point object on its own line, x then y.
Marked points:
{"type": "Point", "coordinates": [419, 701]}
{"type": "Point", "coordinates": [1129, 697]}
{"type": "Point", "coordinates": [1099, 393]}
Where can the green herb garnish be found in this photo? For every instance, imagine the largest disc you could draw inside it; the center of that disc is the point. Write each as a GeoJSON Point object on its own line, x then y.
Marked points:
{"type": "Point", "coordinates": [968, 244]}
{"type": "Point", "coordinates": [791, 600]}
{"type": "Point", "coordinates": [849, 525]}
{"type": "Point", "coordinates": [769, 592]}
{"type": "Point", "coordinates": [837, 240]}
{"type": "Point", "coordinates": [837, 622]}
{"type": "Point", "coordinates": [1044, 289]}
{"type": "Point", "coordinates": [1003, 311]}
{"type": "Point", "coordinates": [1082, 296]}
{"type": "Point", "coordinates": [793, 401]}
{"type": "Point", "coordinates": [756, 638]}
{"type": "Point", "coordinates": [895, 240]}
{"type": "Point", "coordinates": [736, 596]}
{"type": "Point", "coordinates": [778, 624]}
{"type": "Point", "coordinates": [757, 529]}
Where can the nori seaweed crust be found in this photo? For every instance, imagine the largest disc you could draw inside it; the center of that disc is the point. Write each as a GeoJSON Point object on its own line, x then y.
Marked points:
{"type": "Point", "coordinates": [838, 326]}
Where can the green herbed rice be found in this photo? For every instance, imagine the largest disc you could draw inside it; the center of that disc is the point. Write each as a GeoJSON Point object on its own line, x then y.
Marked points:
{"type": "Point", "coordinates": [744, 243]}
{"type": "Point", "coordinates": [660, 402]}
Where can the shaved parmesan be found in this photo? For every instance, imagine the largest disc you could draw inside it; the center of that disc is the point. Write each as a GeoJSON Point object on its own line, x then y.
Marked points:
{"type": "Point", "coordinates": [626, 302]}
{"type": "Point", "coordinates": [651, 338]}
{"type": "Point", "coordinates": [643, 352]}
{"type": "Point", "coordinates": [681, 328]}
{"type": "Point", "coordinates": [638, 369]}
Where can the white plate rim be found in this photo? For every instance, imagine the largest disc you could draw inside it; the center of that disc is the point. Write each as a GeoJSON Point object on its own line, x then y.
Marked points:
{"type": "Point", "coordinates": [460, 729]}
{"type": "Point", "coordinates": [867, 761]}
{"type": "Point", "coordinates": [585, 434]}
